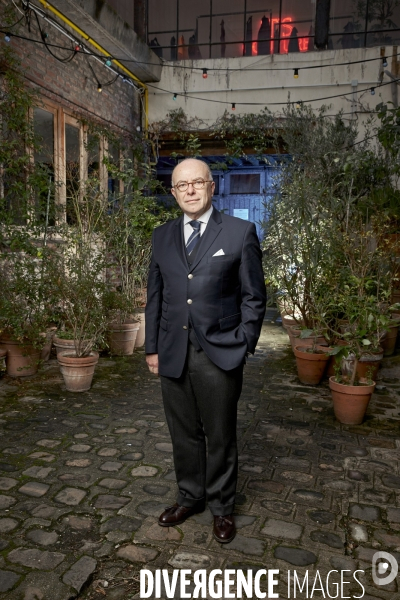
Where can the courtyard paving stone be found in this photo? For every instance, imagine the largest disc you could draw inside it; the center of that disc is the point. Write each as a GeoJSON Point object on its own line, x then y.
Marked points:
{"type": "Point", "coordinates": [84, 477]}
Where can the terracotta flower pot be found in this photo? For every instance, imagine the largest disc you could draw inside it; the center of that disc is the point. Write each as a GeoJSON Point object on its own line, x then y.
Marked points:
{"type": "Point", "coordinates": [368, 365]}
{"type": "Point", "coordinates": [122, 337]}
{"type": "Point", "coordinates": [142, 296]}
{"type": "Point", "coordinates": [290, 321]}
{"type": "Point", "coordinates": [310, 365]}
{"type": "Point", "coordinates": [396, 317]}
{"type": "Point", "coordinates": [62, 344]}
{"type": "Point", "coordinates": [77, 371]}
{"type": "Point", "coordinates": [330, 369]}
{"type": "Point", "coordinates": [350, 402]}
{"type": "Point", "coordinates": [295, 340]}
{"type": "Point", "coordinates": [3, 355]}
{"type": "Point", "coordinates": [139, 342]}
{"type": "Point", "coordinates": [22, 359]}
{"type": "Point", "coordinates": [389, 342]}
{"type": "Point", "coordinates": [395, 296]}
{"type": "Point", "coordinates": [48, 337]}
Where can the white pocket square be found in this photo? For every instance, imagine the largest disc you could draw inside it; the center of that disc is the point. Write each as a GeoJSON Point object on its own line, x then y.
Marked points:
{"type": "Point", "coordinates": [219, 253]}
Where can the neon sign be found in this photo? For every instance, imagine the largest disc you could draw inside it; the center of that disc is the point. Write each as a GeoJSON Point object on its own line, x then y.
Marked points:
{"type": "Point", "coordinates": [286, 31]}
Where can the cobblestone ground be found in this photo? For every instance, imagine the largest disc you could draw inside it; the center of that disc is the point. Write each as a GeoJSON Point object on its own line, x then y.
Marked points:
{"type": "Point", "coordinates": [84, 476]}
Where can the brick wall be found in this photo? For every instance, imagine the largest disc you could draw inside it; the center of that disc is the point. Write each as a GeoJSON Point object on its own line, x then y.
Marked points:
{"type": "Point", "coordinates": [72, 85]}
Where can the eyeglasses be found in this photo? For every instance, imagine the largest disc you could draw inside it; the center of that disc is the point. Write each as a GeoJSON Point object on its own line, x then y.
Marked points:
{"type": "Point", "coordinates": [198, 184]}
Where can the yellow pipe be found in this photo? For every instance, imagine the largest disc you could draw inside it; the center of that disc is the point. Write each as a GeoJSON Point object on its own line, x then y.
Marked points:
{"type": "Point", "coordinates": [102, 50]}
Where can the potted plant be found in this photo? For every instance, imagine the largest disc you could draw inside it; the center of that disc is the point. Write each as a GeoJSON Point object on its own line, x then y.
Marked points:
{"type": "Point", "coordinates": [311, 360]}
{"type": "Point", "coordinates": [129, 226]}
{"type": "Point", "coordinates": [25, 303]}
{"type": "Point", "coordinates": [27, 189]}
{"type": "Point", "coordinates": [81, 291]}
{"type": "Point", "coordinates": [361, 296]}
{"type": "Point", "coordinates": [388, 343]}
{"type": "Point", "coordinates": [78, 266]}
{"type": "Point", "coordinates": [122, 327]}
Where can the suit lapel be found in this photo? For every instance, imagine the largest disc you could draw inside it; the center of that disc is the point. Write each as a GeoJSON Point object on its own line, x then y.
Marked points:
{"type": "Point", "coordinates": [179, 242]}
{"type": "Point", "coordinates": [213, 229]}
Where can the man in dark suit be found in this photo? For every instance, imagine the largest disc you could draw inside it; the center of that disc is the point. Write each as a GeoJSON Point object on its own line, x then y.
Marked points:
{"type": "Point", "coordinates": [205, 307]}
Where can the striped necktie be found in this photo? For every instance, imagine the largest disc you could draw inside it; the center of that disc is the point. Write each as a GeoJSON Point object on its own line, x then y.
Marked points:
{"type": "Point", "coordinates": [194, 238]}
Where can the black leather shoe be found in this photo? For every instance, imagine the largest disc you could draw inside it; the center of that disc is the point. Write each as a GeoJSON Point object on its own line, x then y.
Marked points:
{"type": "Point", "coordinates": [224, 528]}
{"type": "Point", "coordinates": [176, 514]}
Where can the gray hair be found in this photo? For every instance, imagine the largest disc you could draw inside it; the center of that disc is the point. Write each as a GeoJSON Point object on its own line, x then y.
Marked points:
{"type": "Point", "coordinates": [210, 175]}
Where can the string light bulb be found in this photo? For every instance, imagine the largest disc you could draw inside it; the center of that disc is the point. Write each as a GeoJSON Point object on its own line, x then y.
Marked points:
{"type": "Point", "coordinates": [77, 48]}
{"type": "Point", "coordinates": [296, 74]}
{"type": "Point", "coordinates": [233, 106]}
{"type": "Point", "coordinates": [44, 35]}
{"type": "Point", "coordinates": [7, 37]}
{"type": "Point", "coordinates": [174, 97]}
{"type": "Point", "coordinates": [205, 73]}
{"type": "Point", "coordinates": [384, 61]}
{"type": "Point", "coordinates": [108, 62]}
{"type": "Point", "coordinates": [99, 87]}
{"type": "Point", "coordinates": [372, 91]}
{"type": "Point", "coordinates": [124, 79]}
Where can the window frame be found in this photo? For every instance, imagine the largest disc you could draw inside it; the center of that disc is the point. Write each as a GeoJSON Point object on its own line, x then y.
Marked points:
{"type": "Point", "coordinates": [61, 117]}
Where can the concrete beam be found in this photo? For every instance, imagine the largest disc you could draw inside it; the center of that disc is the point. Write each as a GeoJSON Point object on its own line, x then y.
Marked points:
{"type": "Point", "coordinates": [102, 23]}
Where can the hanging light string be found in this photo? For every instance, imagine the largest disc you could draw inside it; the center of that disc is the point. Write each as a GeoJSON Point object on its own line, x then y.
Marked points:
{"type": "Point", "coordinates": [79, 47]}
{"type": "Point", "coordinates": [189, 96]}
{"type": "Point", "coordinates": [186, 95]}
{"type": "Point", "coordinates": [207, 70]}
{"type": "Point", "coordinates": [228, 102]}
{"type": "Point", "coordinates": [29, 6]}
{"type": "Point", "coordinates": [16, 23]}
{"type": "Point", "coordinates": [44, 36]}
{"type": "Point", "coordinates": [100, 86]}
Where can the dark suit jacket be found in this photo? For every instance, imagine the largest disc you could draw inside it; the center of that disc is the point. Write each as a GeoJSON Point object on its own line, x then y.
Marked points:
{"type": "Point", "coordinates": [227, 294]}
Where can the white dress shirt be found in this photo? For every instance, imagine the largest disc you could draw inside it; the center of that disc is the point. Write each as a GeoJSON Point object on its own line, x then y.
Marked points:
{"type": "Point", "coordinates": [188, 229]}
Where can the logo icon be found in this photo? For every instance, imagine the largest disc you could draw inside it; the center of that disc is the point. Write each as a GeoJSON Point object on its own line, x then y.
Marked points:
{"type": "Point", "coordinates": [384, 568]}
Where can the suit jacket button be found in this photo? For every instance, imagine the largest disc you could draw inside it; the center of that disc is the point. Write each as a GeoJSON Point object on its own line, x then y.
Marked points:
{"type": "Point", "coordinates": [189, 301]}
{"type": "Point", "coordinates": [190, 276]}
{"type": "Point", "coordinates": [184, 327]}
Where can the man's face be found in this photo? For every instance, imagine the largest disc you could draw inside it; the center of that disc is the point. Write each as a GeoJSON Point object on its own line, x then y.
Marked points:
{"type": "Point", "coordinates": [193, 202]}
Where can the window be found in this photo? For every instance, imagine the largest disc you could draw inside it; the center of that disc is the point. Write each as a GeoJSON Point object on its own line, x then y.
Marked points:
{"type": "Point", "coordinates": [44, 155]}
{"type": "Point", "coordinates": [262, 27]}
{"type": "Point", "coordinates": [179, 29]}
{"type": "Point", "coordinates": [364, 23]}
{"type": "Point", "coordinates": [72, 169]}
{"type": "Point", "coordinates": [297, 26]}
{"type": "Point", "coordinates": [93, 156]}
{"type": "Point", "coordinates": [247, 183]}
{"type": "Point", "coordinates": [165, 181]}
{"type": "Point", "coordinates": [43, 124]}
{"type": "Point", "coordinates": [69, 156]}
{"type": "Point", "coordinates": [194, 30]}
{"type": "Point", "coordinates": [216, 181]}
{"type": "Point", "coordinates": [114, 184]}
{"type": "Point", "coordinates": [163, 27]}
{"type": "Point", "coordinates": [227, 28]}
